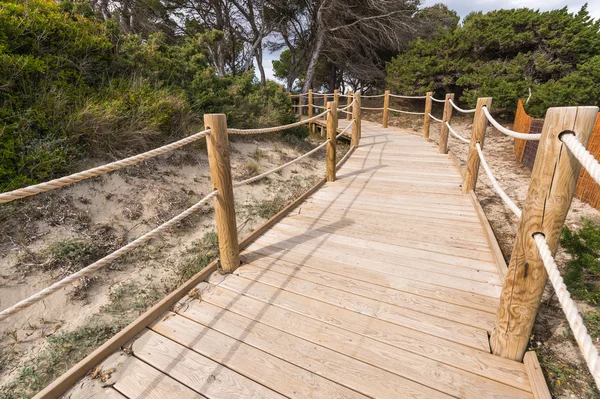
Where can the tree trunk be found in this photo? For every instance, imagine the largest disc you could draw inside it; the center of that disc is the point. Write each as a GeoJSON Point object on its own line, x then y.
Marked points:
{"type": "Point", "coordinates": [259, 62]}
{"type": "Point", "coordinates": [314, 59]}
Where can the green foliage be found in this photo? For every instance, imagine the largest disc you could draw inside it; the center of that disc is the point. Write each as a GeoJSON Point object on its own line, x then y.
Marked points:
{"type": "Point", "coordinates": [74, 87]}
{"type": "Point", "coordinates": [501, 54]}
{"type": "Point", "coordinates": [582, 272]}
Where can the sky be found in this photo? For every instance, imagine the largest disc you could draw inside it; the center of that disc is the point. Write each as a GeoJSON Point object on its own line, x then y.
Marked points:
{"type": "Point", "coordinates": [463, 7]}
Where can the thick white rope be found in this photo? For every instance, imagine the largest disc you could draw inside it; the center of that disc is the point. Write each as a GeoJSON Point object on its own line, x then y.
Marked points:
{"type": "Point", "coordinates": [466, 111]}
{"type": "Point", "coordinates": [508, 132]}
{"type": "Point", "coordinates": [436, 100]}
{"type": "Point", "coordinates": [374, 96]}
{"type": "Point", "coordinates": [104, 261]}
{"type": "Point", "coordinates": [372, 109]}
{"type": "Point", "coordinates": [97, 171]}
{"type": "Point", "coordinates": [583, 155]}
{"type": "Point", "coordinates": [276, 128]}
{"type": "Point", "coordinates": [300, 106]}
{"type": "Point", "coordinates": [299, 95]}
{"type": "Point", "coordinates": [267, 173]}
{"type": "Point", "coordinates": [586, 345]}
{"type": "Point", "coordinates": [318, 106]}
{"type": "Point", "coordinates": [409, 97]}
{"type": "Point", "coordinates": [347, 106]}
{"type": "Point", "coordinates": [406, 112]}
{"type": "Point", "coordinates": [511, 205]}
{"type": "Point", "coordinates": [345, 129]}
{"type": "Point", "coordinates": [344, 111]}
{"type": "Point", "coordinates": [458, 136]}
{"type": "Point", "coordinates": [435, 119]}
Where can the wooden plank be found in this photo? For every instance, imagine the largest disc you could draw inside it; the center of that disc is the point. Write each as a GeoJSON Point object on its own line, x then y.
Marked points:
{"type": "Point", "coordinates": [355, 231]}
{"type": "Point", "coordinates": [365, 250]}
{"type": "Point", "coordinates": [137, 380]}
{"type": "Point", "coordinates": [492, 241]}
{"type": "Point", "coordinates": [536, 376]}
{"type": "Point", "coordinates": [344, 370]}
{"type": "Point", "coordinates": [262, 367]}
{"type": "Point", "coordinates": [441, 328]}
{"type": "Point", "coordinates": [196, 371]}
{"type": "Point", "coordinates": [280, 250]}
{"type": "Point", "coordinates": [335, 288]}
{"type": "Point", "coordinates": [372, 349]}
{"type": "Point", "coordinates": [380, 278]}
{"type": "Point", "coordinates": [68, 379]}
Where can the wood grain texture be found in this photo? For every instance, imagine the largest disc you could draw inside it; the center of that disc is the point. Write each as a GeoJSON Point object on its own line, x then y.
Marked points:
{"type": "Point", "coordinates": [492, 241]}
{"type": "Point", "coordinates": [332, 126]}
{"type": "Point", "coordinates": [553, 182]}
{"type": "Point", "coordinates": [357, 121]}
{"type": "Point", "coordinates": [536, 376]}
{"type": "Point", "coordinates": [427, 118]}
{"type": "Point", "coordinates": [220, 172]}
{"type": "Point", "coordinates": [386, 105]}
{"type": "Point", "coordinates": [350, 110]}
{"type": "Point", "coordinates": [477, 136]}
{"type": "Point", "coordinates": [447, 117]}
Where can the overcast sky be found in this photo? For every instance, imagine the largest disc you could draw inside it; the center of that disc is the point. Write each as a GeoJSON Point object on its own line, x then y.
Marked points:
{"type": "Point", "coordinates": [463, 7]}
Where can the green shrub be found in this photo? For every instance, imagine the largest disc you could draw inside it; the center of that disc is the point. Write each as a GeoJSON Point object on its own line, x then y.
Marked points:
{"type": "Point", "coordinates": [582, 272]}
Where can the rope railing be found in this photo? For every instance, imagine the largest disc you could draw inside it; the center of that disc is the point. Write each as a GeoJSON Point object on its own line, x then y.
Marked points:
{"type": "Point", "coordinates": [586, 345]}
{"type": "Point", "coordinates": [372, 109]}
{"type": "Point", "coordinates": [455, 134]}
{"type": "Point", "coordinates": [435, 119]}
{"type": "Point", "coordinates": [456, 107]}
{"type": "Point", "coordinates": [373, 96]}
{"type": "Point", "coordinates": [437, 100]}
{"type": "Point", "coordinates": [347, 106]}
{"type": "Point", "coordinates": [586, 159]}
{"type": "Point", "coordinates": [509, 202]}
{"type": "Point", "coordinates": [345, 129]}
{"type": "Point", "coordinates": [300, 106]}
{"type": "Point", "coordinates": [408, 97]}
{"type": "Point", "coordinates": [406, 112]}
{"type": "Point", "coordinates": [97, 171]}
{"type": "Point", "coordinates": [102, 262]}
{"type": "Point", "coordinates": [508, 132]}
{"type": "Point", "coordinates": [269, 172]}
{"type": "Point", "coordinates": [276, 128]}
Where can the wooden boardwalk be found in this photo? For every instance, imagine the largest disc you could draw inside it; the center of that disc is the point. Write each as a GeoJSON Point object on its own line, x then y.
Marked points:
{"type": "Point", "coordinates": [383, 284]}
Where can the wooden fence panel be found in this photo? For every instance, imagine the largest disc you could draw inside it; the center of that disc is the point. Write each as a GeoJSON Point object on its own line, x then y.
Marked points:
{"type": "Point", "coordinates": [521, 124]}
{"type": "Point", "coordinates": [587, 189]}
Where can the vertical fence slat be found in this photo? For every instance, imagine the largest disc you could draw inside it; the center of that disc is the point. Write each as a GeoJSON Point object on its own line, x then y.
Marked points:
{"type": "Point", "coordinates": [332, 125]}
{"type": "Point", "coordinates": [386, 105]}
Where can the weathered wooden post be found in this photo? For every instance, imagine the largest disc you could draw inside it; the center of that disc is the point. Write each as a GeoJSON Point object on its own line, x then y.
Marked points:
{"type": "Point", "coordinates": [477, 136]}
{"type": "Point", "coordinates": [348, 102]}
{"type": "Point", "coordinates": [386, 104]}
{"type": "Point", "coordinates": [217, 144]}
{"type": "Point", "coordinates": [356, 125]}
{"type": "Point", "coordinates": [310, 103]}
{"type": "Point", "coordinates": [553, 182]}
{"type": "Point", "coordinates": [332, 125]}
{"type": "Point", "coordinates": [427, 119]}
{"type": "Point", "coordinates": [446, 118]}
{"type": "Point", "coordinates": [336, 96]}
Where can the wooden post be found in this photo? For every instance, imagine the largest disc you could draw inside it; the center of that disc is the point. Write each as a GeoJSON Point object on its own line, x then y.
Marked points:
{"type": "Point", "coordinates": [553, 182]}
{"type": "Point", "coordinates": [220, 171]}
{"type": "Point", "coordinates": [477, 136]}
{"type": "Point", "coordinates": [386, 104]}
{"type": "Point", "coordinates": [332, 125]}
{"type": "Point", "coordinates": [357, 120]}
{"type": "Point", "coordinates": [310, 103]}
{"type": "Point", "coordinates": [446, 118]}
{"type": "Point", "coordinates": [336, 96]}
{"type": "Point", "coordinates": [349, 101]}
{"type": "Point", "coordinates": [427, 119]}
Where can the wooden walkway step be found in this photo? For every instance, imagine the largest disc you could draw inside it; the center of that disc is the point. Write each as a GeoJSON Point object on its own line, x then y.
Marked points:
{"type": "Point", "coordinates": [382, 284]}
